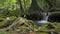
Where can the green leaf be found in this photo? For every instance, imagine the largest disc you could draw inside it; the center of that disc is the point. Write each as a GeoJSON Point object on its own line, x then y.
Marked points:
{"type": "Point", "coordinates": [26, 4]}
{"type": "Point", "coordinates": [43, 4]}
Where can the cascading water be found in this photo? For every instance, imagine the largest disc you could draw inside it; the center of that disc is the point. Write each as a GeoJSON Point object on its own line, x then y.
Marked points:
{"type": "Point", "coordinates": [44, 18]}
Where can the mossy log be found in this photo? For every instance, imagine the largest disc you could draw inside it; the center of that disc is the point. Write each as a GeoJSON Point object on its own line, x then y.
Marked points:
{"type": "Point", "coordinates": [17, 23]}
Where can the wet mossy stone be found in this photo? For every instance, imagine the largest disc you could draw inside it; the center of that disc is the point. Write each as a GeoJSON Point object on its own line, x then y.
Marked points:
{"type": "Point", "coordinates": [50, 26]}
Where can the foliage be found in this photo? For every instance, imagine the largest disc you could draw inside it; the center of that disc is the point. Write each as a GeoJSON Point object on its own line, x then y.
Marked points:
{"type": "Point", "coordinates": [17, 8]}
{"type": "Point", "coordinates": [43, 4]}
{"type": "Point", "coordinates": [26, 4]}
{"type": "Point", "coordinates": [6, 22]}
{"type": "Point", "coordinates": [3, 32]}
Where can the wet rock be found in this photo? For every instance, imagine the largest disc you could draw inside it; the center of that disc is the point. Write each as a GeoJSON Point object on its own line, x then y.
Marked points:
{"type": "Point", "coordinates": [50, 26]}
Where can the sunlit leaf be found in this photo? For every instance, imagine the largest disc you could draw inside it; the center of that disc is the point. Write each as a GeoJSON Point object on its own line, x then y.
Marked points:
{"type": "Point", "coordinates": [26, 4]}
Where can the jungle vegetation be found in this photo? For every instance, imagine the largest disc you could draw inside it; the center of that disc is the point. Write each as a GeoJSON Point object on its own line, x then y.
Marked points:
{"type": "Point", "coordinates": [14, 16]}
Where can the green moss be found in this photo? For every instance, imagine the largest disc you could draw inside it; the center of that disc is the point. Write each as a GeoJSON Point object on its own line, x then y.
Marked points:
{"type": "Point", "coordinates": [2, 24]}
{"type": "Point", "coordinates": [8, 22]}
{"type": "Point", "coordinates": [3, 32]}
{"type": "Point", "coordinates": [41, 33]}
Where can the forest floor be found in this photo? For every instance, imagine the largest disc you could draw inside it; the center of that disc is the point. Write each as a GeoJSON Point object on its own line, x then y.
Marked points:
{"type": "Point", "coordinates": [42, 30]}
{"type": "Point", "coordinates": [29, 28]}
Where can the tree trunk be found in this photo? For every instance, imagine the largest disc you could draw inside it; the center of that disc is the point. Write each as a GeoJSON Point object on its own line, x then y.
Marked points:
{"type": "Point", "coordinates": [21, 7]}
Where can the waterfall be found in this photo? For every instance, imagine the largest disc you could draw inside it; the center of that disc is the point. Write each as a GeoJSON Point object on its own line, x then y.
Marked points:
{"type": "Point", "coordinates": [44, 18]}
